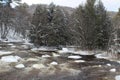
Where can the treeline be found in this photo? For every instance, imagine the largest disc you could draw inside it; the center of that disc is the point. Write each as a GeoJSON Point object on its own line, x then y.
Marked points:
{"type": "Point", "coordinates": [89, 25]}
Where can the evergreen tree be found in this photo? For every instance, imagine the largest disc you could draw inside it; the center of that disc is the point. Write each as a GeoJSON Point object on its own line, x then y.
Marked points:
{"type": "Point", "coordinates": [49, 26]}
{"type": "Point", "coordinates": [39, 24]}
{"type": "Point", "coordinates": [92, 25]}
{"type": "Point", "coordinates": [103, 27]}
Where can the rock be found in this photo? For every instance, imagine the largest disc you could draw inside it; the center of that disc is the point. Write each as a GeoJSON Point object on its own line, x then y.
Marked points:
{"type": "Point", "coordinates": [10, 59]}
{"type": "Point", "coordinates": [38, 66]}
{"type": "Point", "coordinates": [53, 63]}
{"type": "Point", "coordinates": [74, 57]}
{"type": "Point", "coordinates": [20, 66]}
{"type": "Point", "coordinates": [112, 70]}
{"type": "Point", "coordinates": [117, 77]}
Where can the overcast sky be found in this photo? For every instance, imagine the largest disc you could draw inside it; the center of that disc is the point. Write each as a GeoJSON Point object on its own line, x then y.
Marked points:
{"type": "Point", "coordinates": [111, 5]}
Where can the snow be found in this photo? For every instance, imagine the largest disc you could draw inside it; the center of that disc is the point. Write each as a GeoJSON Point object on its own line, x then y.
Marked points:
{"type": "Point", "coordinates": [10, 44]}
{"type": "Point", "coordinates": [37, 49]}
{"type": "Point", "coordinates": [108, 64]}
{"type": "Point", "coordinates": [79, 61]}
{"type": "Point", "coordinates": [13, 46]}
{"type": "Point", "coordinates": [117, 77]}
{"type": "Point", "coordinates": [54, 63]}
{"type": "Point", "coordinates": [45, 56]}
{"type": "Point", "coordinates": [113, 70]}
{"type": "Point", "coordinates": [32, 59]}
{"type": "Point", "coordinates": [84, 53]}
{"type": "Point", "coordinates": [101, 56]}
{"type": "Point", "coordinates": [20, 66]}
{"type": "Point", "coordinates": [55, 55]}
{"type": "Point", "coordinates": [65, 50]}
{"type": "Point", "coordinates": [5, 53]}
{"type": "Point", "coordinates": [38, 66]}
{"type": "Point", "coordinates": [74, 57]}
{"type": "Point", "coordinates": [10, 59]}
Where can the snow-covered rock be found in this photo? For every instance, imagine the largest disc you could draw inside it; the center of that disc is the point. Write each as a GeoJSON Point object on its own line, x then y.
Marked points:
{"type": "Point", "coordinates": [108, 64]}
{"type": "Point", "coordinates": [117, 77]}
{"type": "Point", "coordinates": [5, 53]}
{"type": "Point", "coordinates": [101, 56]}
{"type": "Point", "coordinates": [113, 70]}
{"type": "Point", "coordinates": [53, 63]}
{"type": "Point", "coordinates": [38, 66]}
{"type": "Point", "coordinates": [45, 56]}
{"type": "Point", "coordinates": [65, 50]}
{"type": "Point", "coordinates": [37, 49]}
{"type": "Point", "coordinates": [10, 58]}
{"type": "Point", "coordinates": [13, 46]}
{"type": "Point", "coordinates": [32, 59]}
{"type": "Point", "coordinates": [84, 53]}
{"type": "Point", "coordinates": [10, 44]}
{"type": "Point", "coordinates": [74, 57]}
{"type": "Point", "coordinates": [20, 66]}
{"type": "Point", "coordinates": [55, 55]}
{"type": "Point", "coordinates": [79, 61]}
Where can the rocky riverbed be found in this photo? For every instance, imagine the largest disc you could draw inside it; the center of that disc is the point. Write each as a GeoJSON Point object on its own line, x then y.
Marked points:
{"type": "Point", "coordinates": [20, 61]}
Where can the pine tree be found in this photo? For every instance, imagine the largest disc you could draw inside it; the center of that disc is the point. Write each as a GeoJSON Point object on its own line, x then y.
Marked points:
{"type": "Point", "coordinates": [103, 28]}
{"type": "Point", "coordinates": [49, 26]}
{"type": "Point", "coordinates": [39, 24]}
{"type": "Point", "coordinates": [92, 25]}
